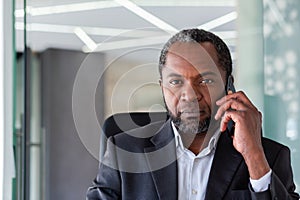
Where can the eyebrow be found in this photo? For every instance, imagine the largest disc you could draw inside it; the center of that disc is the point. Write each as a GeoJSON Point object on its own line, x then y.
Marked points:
{"type": "Point", "coordinates": [173, 74]}
{"type": "Point", "coordinates": [208, 73]}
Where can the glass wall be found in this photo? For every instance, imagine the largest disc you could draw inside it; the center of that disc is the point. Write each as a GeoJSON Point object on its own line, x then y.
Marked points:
{"type": "Point", "coordinates": [81, 61]}
{"type": "Point", "coordinates": [281, 70]}
{"type": "Point", "coordinates": [7, 165]}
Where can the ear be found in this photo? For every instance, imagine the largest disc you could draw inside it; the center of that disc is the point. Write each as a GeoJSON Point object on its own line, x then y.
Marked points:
{"type": "Point", "coordinates": [232, 78]}
{"type": "Point", "coordinates": [160, 82]}
{"type": "Point", "coordinates": [229, 85]}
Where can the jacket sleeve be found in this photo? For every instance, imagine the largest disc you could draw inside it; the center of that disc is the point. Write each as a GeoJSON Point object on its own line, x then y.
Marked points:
{"type": "Point", "coordinates": [282, 185]}
{"type": "Point", "coordinates": [106, 185]}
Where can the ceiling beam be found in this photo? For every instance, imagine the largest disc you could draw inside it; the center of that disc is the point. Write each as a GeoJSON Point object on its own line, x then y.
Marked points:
{"type": "Point", "coordinates": [96, 31]}
{"type": "Point", "coordinates": [147, 16]}
{"type": "Point", "coordinates": [219, 21]}
{"type": "Point", "coordinates": [34, 10]}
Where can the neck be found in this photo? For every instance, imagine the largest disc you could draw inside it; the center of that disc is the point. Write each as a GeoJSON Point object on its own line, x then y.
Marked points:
{"type": "Point", "coordinates": [194, 142]}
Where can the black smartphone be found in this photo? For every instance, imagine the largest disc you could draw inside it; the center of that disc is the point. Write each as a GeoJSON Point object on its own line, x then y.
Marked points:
{"type": "Point", "coordinates": [229, 90]}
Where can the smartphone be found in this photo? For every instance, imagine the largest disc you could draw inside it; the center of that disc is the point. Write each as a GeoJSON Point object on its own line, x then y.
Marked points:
{"type": "Point", "coordinates": [229, 90]}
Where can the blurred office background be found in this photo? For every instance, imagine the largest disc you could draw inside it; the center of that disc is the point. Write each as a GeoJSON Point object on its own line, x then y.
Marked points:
{"type": "Point", "coordinates": [70, 64]}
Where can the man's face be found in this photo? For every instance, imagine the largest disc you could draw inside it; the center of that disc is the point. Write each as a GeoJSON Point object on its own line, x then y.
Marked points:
{"type": "Point", "coordinates": [191, 83]}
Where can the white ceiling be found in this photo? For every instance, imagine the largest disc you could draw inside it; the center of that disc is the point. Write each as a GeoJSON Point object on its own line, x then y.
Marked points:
{"type": "Point", "coordinates": [114, 26]}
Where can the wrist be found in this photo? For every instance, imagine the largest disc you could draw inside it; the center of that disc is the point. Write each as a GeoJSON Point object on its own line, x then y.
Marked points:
{"type": "Point", "coordinates": [257, 164]}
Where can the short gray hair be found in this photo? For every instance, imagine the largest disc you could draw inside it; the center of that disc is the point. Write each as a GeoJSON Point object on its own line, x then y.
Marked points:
{"type": "Point", "coordinates": [199, 36]}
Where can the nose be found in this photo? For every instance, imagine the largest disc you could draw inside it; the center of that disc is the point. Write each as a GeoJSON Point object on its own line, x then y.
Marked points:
{"type": "Point", "coordinates": [190, 93]}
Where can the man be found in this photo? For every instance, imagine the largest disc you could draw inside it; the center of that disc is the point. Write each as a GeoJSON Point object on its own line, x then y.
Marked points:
{"type": "Point", "coordinates": [194, 155]}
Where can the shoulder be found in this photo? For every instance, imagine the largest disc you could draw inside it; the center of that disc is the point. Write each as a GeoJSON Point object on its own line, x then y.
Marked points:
{"type": "Point", "coordinates": [137, 139]}
{"type": "Point", "coordinates": [274, 149]}
{"type": "Point", "coordinates": [271, 145]}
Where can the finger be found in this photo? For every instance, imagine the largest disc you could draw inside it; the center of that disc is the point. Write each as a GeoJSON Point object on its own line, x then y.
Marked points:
{"type": "Point", "coordinates": [239, 96]}
{"type": "Point", "coordinates": [228, 97]}
{"type": "Point", "coordinates": [232, 104]}
{"type": "Point", "coordinates": [225, 120]}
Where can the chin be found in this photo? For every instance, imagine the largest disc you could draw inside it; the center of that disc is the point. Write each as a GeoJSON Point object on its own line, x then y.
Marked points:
{"type": "Point", "coordinates": [192, 126]}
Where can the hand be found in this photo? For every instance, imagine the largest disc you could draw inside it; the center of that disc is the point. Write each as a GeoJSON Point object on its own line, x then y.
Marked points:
{"type": "Point", "coordinates": [247, 134]}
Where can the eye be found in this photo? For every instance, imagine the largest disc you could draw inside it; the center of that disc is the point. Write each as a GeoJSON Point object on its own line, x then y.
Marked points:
{"type": "Point", "coordinates": [206, 81]}
{"type": "Point", "coordinates": [176, 82]}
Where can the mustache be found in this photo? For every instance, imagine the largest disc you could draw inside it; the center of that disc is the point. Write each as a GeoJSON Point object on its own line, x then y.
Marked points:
{"type": "Point", "coordinates": [189, 108]}
{"type": "Point", "coordinates": [202, 126]}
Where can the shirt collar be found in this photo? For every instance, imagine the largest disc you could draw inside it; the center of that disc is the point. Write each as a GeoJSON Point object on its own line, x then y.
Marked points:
{"type": "Point", "coordinates": [212, 144]}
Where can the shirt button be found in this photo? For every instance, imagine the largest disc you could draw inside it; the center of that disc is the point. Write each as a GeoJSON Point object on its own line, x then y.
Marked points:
{"type": "Point", "coordinates": [194, 191]}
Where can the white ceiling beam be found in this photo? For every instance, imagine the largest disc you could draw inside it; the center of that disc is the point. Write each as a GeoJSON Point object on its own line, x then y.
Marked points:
{"type": "Point", "coordinates": [96, 31]}
{"type": "Point", "coordinates": [147, 16]}
{"type": "Point", "coordinates": [85, 38]}
{"type": "Point", "coordinates": [219, 21]}
{"type": "Point", "coordinates": [95, 5]}
{"type": "Point", "coordinates": [106, 46]}
{"type": "Point", "coordinates": [147, 37]}
{"type": "Point", "coordinates": [227, 36]}
{"type": "Point", "coordinates": [65, 8]}
{"type": "Point", "coordinates": [210, 3]}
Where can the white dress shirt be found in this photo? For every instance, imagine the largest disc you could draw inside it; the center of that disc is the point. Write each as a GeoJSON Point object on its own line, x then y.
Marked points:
{"type": "Point", "coordinates": [193, 170]}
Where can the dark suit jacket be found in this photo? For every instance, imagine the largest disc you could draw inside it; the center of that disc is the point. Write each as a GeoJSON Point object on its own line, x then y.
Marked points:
{"type": "Point", "coordinates": [149, 170]}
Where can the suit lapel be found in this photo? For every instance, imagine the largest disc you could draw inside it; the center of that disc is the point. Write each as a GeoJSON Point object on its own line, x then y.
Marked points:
{"type": "Point", "coordinates": [162, 161]}
{"type": "Point", "coordinates": [225, 164]}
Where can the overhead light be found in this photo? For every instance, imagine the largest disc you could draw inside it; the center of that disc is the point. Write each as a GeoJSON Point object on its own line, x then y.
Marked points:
{"type": "Point", "coordinates": [190, 3]}
{"type": "Point", "coordinates": [147, 16]}
{"type": "Point", "coordinates": [148, 37]}
{"type": "Point", "coordinates": [106, 46]}
{"type": "Point", "coordinates": [98, 31]}
{"type": "Point", "coordinates": [102, 31]}
{"type": "Point", "coordinates": [50, 28]}
{"type": "Point", "coordinates": [219, 21]}
{"type": "Point", "coordinates": [65, 8]}
{"type": "Point", "coordinates": [93, 5]}
{"type": "Point", "coordinates": [85, 38]}
{"type": "Point", "coordinates": [121, 32]}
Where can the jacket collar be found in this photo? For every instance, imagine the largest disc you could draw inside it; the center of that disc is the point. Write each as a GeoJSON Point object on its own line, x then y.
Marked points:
{"type": "Point", "coordinates": [164, 135]}
{"type": "Point", "coordinates": [225, 164]}
{"type": "Point", "coordinates": [162, 161]}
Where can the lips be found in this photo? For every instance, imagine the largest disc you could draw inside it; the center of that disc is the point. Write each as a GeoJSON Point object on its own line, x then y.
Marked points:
{"type": "Point", "coordinates": [191, 110]}
{"type": "Point", "coordinates": [191, 113]}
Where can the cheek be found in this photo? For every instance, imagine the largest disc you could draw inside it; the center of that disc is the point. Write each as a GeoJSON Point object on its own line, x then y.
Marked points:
{"type": "Point", "coordinates": [214, 96]}
{"type": "Point", "coordinates": [171, 100]}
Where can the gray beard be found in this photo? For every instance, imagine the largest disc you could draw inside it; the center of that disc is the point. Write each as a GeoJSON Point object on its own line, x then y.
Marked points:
{"type": "Point", "coordinates": [190, 126]}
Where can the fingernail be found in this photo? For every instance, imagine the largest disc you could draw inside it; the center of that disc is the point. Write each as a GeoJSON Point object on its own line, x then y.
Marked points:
{"type": "Point", "coordinates": [216, 117]}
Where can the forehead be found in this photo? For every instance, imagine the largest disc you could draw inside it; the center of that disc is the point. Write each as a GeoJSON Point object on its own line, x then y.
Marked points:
{"type": "Point", "coordinates": [192, 57]}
